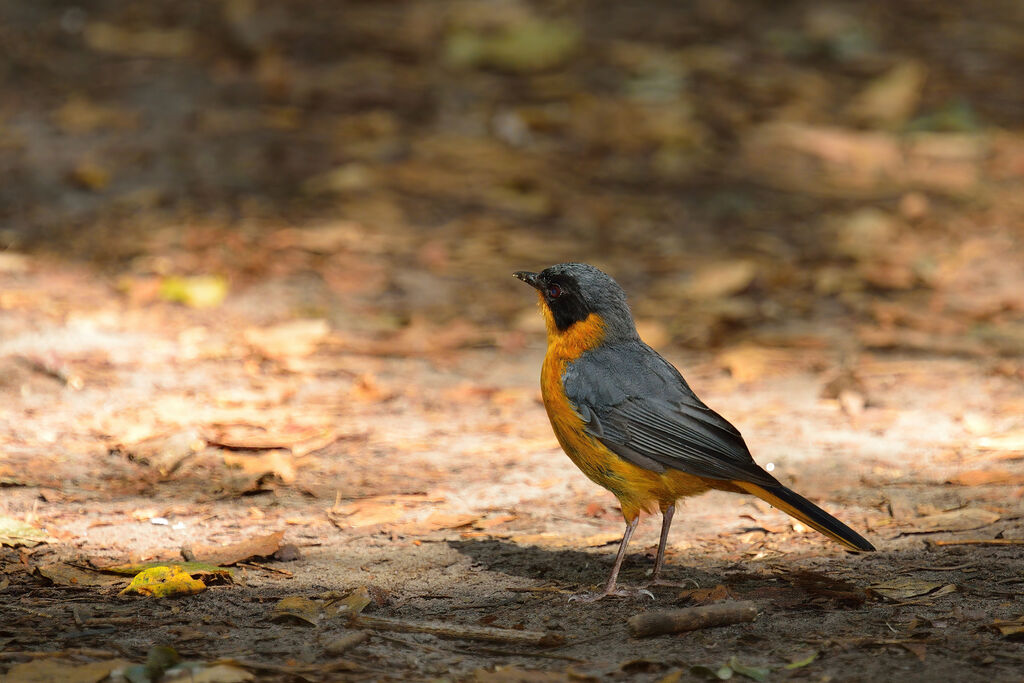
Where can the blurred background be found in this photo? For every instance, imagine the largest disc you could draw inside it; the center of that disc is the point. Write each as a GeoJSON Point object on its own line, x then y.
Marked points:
{"type": "Point", "coordinates": [743, 168]}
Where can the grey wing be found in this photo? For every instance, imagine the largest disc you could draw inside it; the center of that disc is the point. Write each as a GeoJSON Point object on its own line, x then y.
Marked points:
{"type": "Point", "coordinates": [639, 406]}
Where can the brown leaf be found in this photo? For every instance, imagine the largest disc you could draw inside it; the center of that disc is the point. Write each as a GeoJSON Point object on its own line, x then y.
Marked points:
{"type": "Point", "coordinates": [279, 463]}
{"type": "Point", "coordinates": [1012, 629]}
{"type": "Point", "coordinates": [963, 519]}
{"type": "Point", "coordinates": [906, 587]}
{"type": "Point", "coordinates": [61, 574]}
{"type": "Point", "coordinates": [298, 438]}
{"type": "Point", "coordinates": [983, 477]}
{"type": "Point", "coordinates": [367, 513]}
{"type": "Point", "coordinates": [294, 339]}
{"type": "Point", "coordinates": [253, 548]}
{"type": "Point", "coordinates": [44, 670]}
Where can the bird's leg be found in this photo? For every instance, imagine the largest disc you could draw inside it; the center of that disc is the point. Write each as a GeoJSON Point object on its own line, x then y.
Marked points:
{"type": "Point", "coordinates": [666, 523]}
{"type": "Point", "coordinates": [610, 588]}
{"type": "Point", "coordinates": [659, 561]}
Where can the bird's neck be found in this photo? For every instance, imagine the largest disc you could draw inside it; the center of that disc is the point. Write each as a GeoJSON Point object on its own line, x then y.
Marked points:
{"type": "Point", "coordinates": [580, 337]}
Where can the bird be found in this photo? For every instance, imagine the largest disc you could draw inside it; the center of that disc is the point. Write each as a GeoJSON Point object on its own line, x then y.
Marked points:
{"type": "Point", "coordinates": [626, 417]}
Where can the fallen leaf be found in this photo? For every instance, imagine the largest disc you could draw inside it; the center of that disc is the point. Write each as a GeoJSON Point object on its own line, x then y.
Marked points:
{"type": "Point", "coordinates": [802, 662]}
{"type": "Point", "coordinates": [298, 438]}
{"type": "Point", "coordinates": [1010, 441]}
{"type": "Point", "coordinates": [889, 100]}
{"type": "Point", "coordinates": [151, 42]}
{"type": "Point", "coordinates": [295, 608]}
{"type": "Point", "coordinates": [164, 582]}
{"type": "Point", "coordinates": [61, 574]}
{"type": "Point", "coordinates": [983, 477]}
{"type": "Point", "coordinates": [1012, 629]}
{"type": "Point", "coordinates": [209, 573]}
{"type": "Point", "coordinates": [47, 670]}
{"type": "Point", "coordinates": [963, 519]}
{"type": "Point", "coordinates": [720, 279]}
{"type": "Point", "coordinates": [197, 291]}
{"type": "Point", "coordinates": [521, 47]}
{"type": "Point", "coordinates": [367, 513]}
{"type": "Point", "coordinates": [15, 533]}
{"type": "Point", "coordinates": [906, 587]}
{"type": "Point", "coordinates": [753, 672]}
{"type": "Point", "coordinates": [552, 540]}
{"type": "Point", "coordinates": [278, 463]}
{"type": "Point", "coordinates": [352, 604]}
{"type": "Point", "coordinates": [293, 339]}
{"type": "Point", "coordinates": [249, 549]}
{"type": "Point", "coordinates": [202, 673]}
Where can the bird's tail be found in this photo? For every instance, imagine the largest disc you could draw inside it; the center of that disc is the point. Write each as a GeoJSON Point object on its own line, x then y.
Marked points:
{"type": "Point", "coordinates": [797, 506]}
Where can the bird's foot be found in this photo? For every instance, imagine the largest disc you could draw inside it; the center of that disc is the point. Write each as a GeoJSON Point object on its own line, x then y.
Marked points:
{"type": "Point", "coordinates": [615, 591]}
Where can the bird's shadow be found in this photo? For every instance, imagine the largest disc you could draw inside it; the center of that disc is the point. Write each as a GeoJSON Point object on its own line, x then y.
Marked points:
{"type": "Point", "coordinates": [570, 567]}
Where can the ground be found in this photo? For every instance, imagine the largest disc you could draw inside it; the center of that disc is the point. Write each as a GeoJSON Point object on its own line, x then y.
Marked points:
{"type": "Point", "coordinates": [256, 308]}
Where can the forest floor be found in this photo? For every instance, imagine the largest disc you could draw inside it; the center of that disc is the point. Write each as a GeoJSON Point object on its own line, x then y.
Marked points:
{"type": "Point", "coordinates": [257, 311]}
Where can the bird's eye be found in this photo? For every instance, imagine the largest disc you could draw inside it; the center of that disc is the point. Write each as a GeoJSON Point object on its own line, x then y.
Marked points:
{"type": "Point", "coordinates": [554, 291]}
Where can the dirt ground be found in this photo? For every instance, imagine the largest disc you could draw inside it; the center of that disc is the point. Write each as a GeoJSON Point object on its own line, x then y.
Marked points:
{"type": "Point", "coordinates": [256, 310]}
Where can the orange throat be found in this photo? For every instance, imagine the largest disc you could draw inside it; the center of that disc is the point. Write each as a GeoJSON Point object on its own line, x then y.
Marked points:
{"type": "Point", "coordinates": [571, 343]}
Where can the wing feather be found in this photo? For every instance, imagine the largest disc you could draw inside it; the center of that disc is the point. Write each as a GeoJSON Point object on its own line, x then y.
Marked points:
{"type": "Point", "coordinates": [640, 407]}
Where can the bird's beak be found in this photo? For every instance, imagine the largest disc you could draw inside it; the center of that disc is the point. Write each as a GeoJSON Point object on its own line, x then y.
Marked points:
{"type": "Point", "coordinates": [528, 277]}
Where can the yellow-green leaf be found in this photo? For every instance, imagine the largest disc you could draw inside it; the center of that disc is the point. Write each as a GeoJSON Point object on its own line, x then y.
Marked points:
{"type": "Point", "coordinates": [164, 582]}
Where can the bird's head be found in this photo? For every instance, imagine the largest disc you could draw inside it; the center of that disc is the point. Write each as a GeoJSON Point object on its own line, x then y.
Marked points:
{"type": "Point", "coordinates": [572, 293]}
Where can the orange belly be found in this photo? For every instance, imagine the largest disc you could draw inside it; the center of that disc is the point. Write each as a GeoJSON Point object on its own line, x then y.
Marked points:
{"type": "Point", "coordinates": [637, 489]}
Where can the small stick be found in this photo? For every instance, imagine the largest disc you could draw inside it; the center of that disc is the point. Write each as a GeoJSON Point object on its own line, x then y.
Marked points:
{"type": "Point", "coordinates": [692, 618]}
{"type": "Point", "coordinates": [440, 628]}
{"type": "Point", "coordinates": [982, 541]}
{"type": "Point", "coordinates": [272, 570]}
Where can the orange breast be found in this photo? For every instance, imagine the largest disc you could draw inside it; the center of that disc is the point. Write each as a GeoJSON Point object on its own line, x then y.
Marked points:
{"type": "Point", "coordinates": [637, 489]}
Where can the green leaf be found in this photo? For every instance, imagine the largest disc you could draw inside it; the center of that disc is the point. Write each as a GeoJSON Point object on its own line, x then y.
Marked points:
{"type": "Point", "coordinates": [798, 663]}
{"type": "Point", "coordinates": [14, 532]}
{"type": "Point", "coordinates": [198, 291]}
{"type": "Point", "coordinates": [755, 672]}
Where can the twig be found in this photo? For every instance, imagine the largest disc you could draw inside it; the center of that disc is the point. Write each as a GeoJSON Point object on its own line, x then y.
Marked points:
{"type": "Point", "coordinates": [982, 541]}
{"type": "Point", "coordinates": [510, 653]}
{"type": "Point", "coordinates": [52, 367]}
{"type": "Point", "coordinates": [692, 618]}
{"type": "Point", "coordinates": [273, 570]}
{"type": "Point", "coordinates": [440, 628]}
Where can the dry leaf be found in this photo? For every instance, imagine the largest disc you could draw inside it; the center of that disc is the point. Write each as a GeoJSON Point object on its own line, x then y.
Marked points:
{"type": "Point", "coordinates": [1012, 629]}
{"type": "Point", "coordinates": [1010, 441]}
{"type": "Point", "coordinates": [906, 587]}
{"type": "Point", "coordinates": [253, 548]}
{"type": "Point", "coordinates": [65, 575]}
{"type": "Point", "coordinates": [720, 279]}
{"type": "Point", "coordinates": [963, 519]}
{"type": "Point", "coordinates": [294, 339]}
{"type": "Point", "coordinates": [983, 477]}
{"type": "Point", "coordinates": [15, 533]}
{"type": "Point", "coordinates": [367, 513]}
{"type": "Point", "coordinates": [294, 609]}
{"type": "Point", "coordinates": [278, 463]}
{"type": "Point", "coordinates": [551, 540]}
{"type": "Point", "coordinates": [47, 670]}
